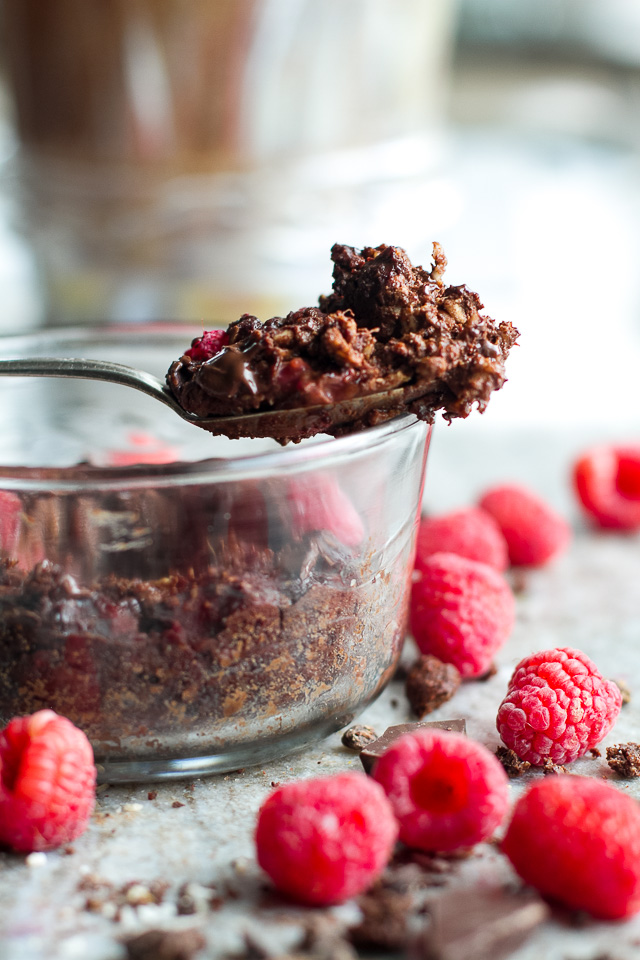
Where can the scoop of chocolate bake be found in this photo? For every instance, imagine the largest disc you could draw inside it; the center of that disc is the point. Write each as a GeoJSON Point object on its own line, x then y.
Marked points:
{"type": "Point", "coordinates": [387, 328]}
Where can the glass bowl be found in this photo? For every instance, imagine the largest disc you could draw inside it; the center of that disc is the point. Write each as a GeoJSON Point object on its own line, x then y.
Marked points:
{"type": "Point", "coordinates": [194, 604]}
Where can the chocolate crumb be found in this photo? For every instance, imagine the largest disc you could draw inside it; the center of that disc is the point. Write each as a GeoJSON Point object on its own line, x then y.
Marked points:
{"type": "Point", "coordinates": [549, 767]}
{"type": "Point", "coordinates": [511, 762]}
{"type": "Point", "coordinates": [595, 752]}
{"type": "Point", "coordinates": [624, 690]}
{"type": "Point", "coordinates": [394, 703]}
{"type": "Point", "coordinates": [275, 783]}
{"type": "Point", "coordinates": [624, 759]}
{"type": "Point", "coordinates": [165, 945]}
{"type": "Point", "coordinates": [358, 736]}
{"type": "Point", "coordinates": [430, 683]}
{"type": "Point", "coordinates": [324, 941]}
{"type": "Point", "coordinates": [519, 580]}
{"type": "Point", "coordinates": [152, 794]}
{"type": "Point", "coordinates": [176, 804]}
{"type": "Point", "coordinates": [385, 915]}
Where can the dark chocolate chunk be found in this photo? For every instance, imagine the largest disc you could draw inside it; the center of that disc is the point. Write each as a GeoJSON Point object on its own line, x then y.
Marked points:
{"type": "Point", "coordinates": [374, 750]}
{"type": "Point", "coordinates": [358, 736]}
{"type": "Point", "coordinates": [165, 945]}
{"type": "Point", "coordinates": [511, 762]}
{"type": "Point", "coordinates": [430, 683]}
{"type": "Point", "coordinates": [480, 924]}
{"type": "Point", "coordinates": [624, 758]}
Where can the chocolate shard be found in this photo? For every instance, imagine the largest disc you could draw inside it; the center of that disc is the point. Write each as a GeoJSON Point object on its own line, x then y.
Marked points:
{"type": "Point", "coordinates": [374, 750]}
{"type": "Point", "coordinates": [483, 924]}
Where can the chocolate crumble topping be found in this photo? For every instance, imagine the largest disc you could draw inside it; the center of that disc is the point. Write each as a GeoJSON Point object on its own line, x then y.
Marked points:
{"type": "Point", "coordinates": [511, 762]}
{"type": "Point", "coordinates": [624, 759]}
{"type": "Point", "coordinates": [386, 325]}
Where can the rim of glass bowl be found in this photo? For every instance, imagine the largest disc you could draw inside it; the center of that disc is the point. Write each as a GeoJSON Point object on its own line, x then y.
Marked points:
{"type": "Point", "coordinates": [181, 472]}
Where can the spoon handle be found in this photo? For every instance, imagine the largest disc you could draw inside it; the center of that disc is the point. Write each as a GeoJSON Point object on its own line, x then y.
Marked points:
{"type": "Point", "coordinates": [80, 369]}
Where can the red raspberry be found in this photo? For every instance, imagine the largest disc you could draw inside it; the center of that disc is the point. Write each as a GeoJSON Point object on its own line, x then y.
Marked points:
{"type": "Point", "coordinates": [325, 840]}
{"type": "Point", "coordinates": [578, 841]}
{"type": "Point", "coordinates": [461, 612]}
{"type": "Point", "coordinates": [557, 707]}
{"type": "Point", "coordinates": [47, 782]}
{"type": "Point", "coordinates": [534, 532]}
{"type": "Point", "coordinates": [607, 482]}
{"type": "Point", "coordinates": [10, 510]}
{"type": "Point", "coordinates": [249, 517]}
{"type": "Point", "coordinates": [317, 502]}
{"type": "Point", "coordinates": [446, 790]}
{"type": "Point", "coordinates": [470, 533]}
{"type": "Point", "coordinates": [206, 346]}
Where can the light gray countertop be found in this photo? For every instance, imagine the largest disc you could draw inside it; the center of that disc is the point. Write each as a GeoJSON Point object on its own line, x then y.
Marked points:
{"type": "Point", "coordinates": [200, 832]}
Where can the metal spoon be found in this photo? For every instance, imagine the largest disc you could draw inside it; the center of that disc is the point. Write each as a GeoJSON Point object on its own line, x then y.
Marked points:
{"type": "Point", "coordinates": [279, 424]}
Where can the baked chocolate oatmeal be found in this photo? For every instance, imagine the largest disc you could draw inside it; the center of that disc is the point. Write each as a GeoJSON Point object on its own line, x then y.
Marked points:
{"type": "Point", "coordinates": [234, 631]}
{"type": "Point", "coordinates": [386, 327]}
{"type": "Point", "coordinates": [624, 759]}
{"type": "Point", "coordinates": [185, 662]}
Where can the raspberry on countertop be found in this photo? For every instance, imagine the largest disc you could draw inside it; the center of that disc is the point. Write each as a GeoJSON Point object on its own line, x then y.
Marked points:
{"type": "Point", "coordinates": [534, 532]}
{"type": "Point", "coordinates": [447, 791]}
{"type": "Point", "coordinates": [577, 840]}
{"type": "Point", "coordinates": [470, 532]}
{"type": "Point", "coordinates": [557, 707]}
{"type": "Point", "coordinates": [606, 480]}
{"type": "Point", "coordinates": [462, 612]}
{"type": "Point", "coordinates": [324, 840]}
{"type": "Point", "coordinates": [47, 782]}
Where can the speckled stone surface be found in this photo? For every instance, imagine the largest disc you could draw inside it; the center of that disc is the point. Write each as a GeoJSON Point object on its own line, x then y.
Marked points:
{"type": "Point", "coordinates": [148, 841]}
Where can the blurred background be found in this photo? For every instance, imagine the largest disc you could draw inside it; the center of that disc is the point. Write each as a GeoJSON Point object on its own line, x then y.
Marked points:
{"type": "Point", "coordinates": [196, 159]}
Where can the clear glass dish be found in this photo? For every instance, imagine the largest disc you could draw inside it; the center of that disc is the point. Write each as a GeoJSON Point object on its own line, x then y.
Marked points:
{"type": "Point", "coordinates": [194, 604]}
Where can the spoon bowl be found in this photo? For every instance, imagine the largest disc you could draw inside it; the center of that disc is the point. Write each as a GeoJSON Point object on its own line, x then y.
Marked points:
{"type": "Point", "coordinates": [279, 424]}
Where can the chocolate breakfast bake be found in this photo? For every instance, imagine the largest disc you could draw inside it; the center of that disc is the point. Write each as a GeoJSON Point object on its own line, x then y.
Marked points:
{"type": "Point", "coordinates": [246, 617]}
{"type": "Point", "coordinates": [387, 326]}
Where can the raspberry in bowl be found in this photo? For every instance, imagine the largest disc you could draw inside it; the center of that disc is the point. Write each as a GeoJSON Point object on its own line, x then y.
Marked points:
{"type": "Point", "coordinates": [200, 614]}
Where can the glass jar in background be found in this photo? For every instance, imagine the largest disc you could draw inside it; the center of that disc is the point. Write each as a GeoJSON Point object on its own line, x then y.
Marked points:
{"type": "Point", "coordinates": [196, 159]}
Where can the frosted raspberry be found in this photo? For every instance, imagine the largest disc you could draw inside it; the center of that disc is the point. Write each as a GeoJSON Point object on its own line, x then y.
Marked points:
{"type": "Point", "coordinates": [534, 532]}
{"type": "Point", "coordinates": [322, 841]}
{"type": "Point", "coordinates": [47, 782]}
{"type": "Point", "coordinates": [607, 482]}
{"type": "Point", "coordinates": [317, 502]}
{"type": "Point", "coordinates": [462, 612]}
{"type": "Point", "coordinates": [557, 707]}
{"type": "Point", "coordinates": [446, 790]}
{"type": "Point", "coordinates": [470, 533]}
{"type": "Point", "coordinates": [206, 346]}
{"type": "Point", "coordinates": [578, 841]}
